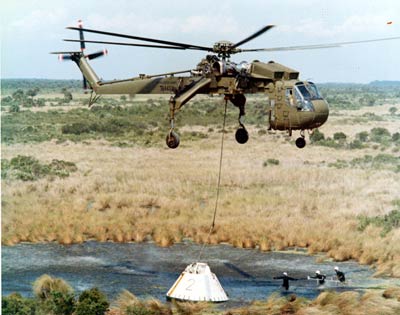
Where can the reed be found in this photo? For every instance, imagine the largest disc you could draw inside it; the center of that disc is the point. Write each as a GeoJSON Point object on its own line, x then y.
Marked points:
{"type": "Point", "coordinates": [139, 194]}
{"type": "Point", "coordinates": [45, 284]}
{"type": "Point", "coordinates": [327, 303]}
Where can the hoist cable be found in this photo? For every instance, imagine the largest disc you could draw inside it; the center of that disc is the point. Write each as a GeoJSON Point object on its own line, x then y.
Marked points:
{"type": "Point", "coordinates": [219, 181]}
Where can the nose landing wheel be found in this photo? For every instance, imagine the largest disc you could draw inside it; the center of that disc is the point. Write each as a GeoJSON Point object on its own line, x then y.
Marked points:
{"type": "Point", "coordinates": [300, 142]}
{"type": "Point", "coordinates": [241, 135]}
{"type": "Point", "coordinates": [172, 140]}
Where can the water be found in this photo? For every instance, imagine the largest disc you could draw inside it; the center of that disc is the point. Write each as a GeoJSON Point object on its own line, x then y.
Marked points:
{"type": "Point", "coordinates": [147, 270]}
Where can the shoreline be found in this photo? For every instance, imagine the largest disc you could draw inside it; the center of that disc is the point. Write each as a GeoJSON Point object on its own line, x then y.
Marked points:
{"type": "Point", "coordinates": [320, 257]}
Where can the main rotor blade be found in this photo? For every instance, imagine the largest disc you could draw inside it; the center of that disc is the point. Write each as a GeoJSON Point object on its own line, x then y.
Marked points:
{"type": "Point", "coordinates": [320, 46]}
{"type": "Point", "coordinates": [146, 39]}
{"type": "Point", "coordinates": [124, 44]}
{"type": "Point", "coordinates": [256, 34]}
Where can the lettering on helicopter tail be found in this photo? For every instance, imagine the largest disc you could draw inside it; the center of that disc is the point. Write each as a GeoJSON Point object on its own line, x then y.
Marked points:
{"type": "Point", "coordinates": [167, 88]}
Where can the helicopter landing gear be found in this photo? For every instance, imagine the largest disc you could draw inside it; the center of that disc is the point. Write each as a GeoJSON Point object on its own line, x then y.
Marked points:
{"type": "Point", "coordinates": [300, 141]}
{"type": "Point", "coordinates": [241, 135]}
{"type": "Point", "coordinates": [172, 138]}
{"type": "Point", "coordinates": [239, 100]}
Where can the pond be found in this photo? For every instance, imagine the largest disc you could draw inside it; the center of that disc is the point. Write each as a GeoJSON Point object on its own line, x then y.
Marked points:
{"type": "Point", "coordinates": [148, 270]}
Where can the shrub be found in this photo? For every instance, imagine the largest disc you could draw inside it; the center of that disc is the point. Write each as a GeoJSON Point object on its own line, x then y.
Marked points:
{"type": "Point", "coordinates": [317, 136]}
{"type": "Point", "coordinates": [6, 100]}
{"type": "Point", "coordinates": [271, 162]}
{"type": "Point", "coordinates": [139, 309]}
{"type": "Point", "coordinates": [67, 95]}
{"type": "Point", "coordinates": [396, 137]}
{"type": "Point", "coordinates": [45, 285]}
{"type": "Point", "coordinates": [339, 136]}
{"type": "Point", "coordinates": [18, 95]}
{"type": "Point", "coordinates": [15, 304]}
{"type": "Point", "coordinates": [387, 222]}
{"type": "Point", "coordinates": [380, 134]}
{"type": "Point", "coordinates": [59, 303]}
{"type": "Point", "coordinates": [392, 110]}
{"type": "Point", "coordinates": [62, 168]}
{"type": "Point", "coordinates": [27, 168]}
{"type": "Point", "coordinates": [14, 108]}
{"type": "Point", "coordinates": [92, 302]}
{"type": "Point", "coordinates": [329, 142]}
{"type": "Point", "coordinates": [339, 164]}
{"type": "Point", "coordinates": [356, 144]}
{"type": "Point", "coordinates": [75, 128]}
{"type": "Point", "coordinates": [362, 136]}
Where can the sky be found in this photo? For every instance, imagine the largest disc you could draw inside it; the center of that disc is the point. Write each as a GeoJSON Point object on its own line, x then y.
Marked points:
{"type": "Point", "coordinates": [32, 29]}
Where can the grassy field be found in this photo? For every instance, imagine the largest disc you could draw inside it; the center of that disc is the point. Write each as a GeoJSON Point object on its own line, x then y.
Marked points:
{"type": "Point", "coordinates": [119, 181]}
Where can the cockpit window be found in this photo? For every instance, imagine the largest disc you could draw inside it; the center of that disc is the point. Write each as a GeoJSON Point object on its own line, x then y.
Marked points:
{"type": "Point", "coordinates": [303, 91]}
{"type": "Point", "coordinates": [308, 90]}
{"type": "Point", "coordinates": [314, 91]}
{"type": "Point", "coordinates": [304, 96]}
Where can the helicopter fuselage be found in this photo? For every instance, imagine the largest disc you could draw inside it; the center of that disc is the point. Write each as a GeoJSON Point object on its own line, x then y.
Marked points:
{"type": "Point", "coordinates": [290, 104]}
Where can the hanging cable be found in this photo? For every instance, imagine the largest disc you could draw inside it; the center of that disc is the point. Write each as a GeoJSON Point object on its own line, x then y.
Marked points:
{"type": "Point", "coordinates": [219, 181]}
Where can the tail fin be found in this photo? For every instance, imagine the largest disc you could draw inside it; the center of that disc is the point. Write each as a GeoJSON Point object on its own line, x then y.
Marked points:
{"type": "Point", "coordinates": [79, 57]}
{"type": "Point", "coordinates": [87, 71]}
{"type": "Point", "coordinates": [81, 60]}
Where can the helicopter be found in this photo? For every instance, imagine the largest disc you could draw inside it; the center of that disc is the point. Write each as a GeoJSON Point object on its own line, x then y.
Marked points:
{"type": "Point", "coordinates": [291, 103]}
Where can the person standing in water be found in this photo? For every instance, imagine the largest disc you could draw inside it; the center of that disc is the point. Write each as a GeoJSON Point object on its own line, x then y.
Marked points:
{"type": "Point", "coordinates": [318, 275]}
{"type": "Point", "coordinates": [340, 275]}
{"type": "Point", "coordinates": [285, 278]}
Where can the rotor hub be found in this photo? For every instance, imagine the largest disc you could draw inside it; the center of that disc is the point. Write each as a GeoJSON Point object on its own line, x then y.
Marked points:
{"type": "Point", "coordinates": [224, 48]}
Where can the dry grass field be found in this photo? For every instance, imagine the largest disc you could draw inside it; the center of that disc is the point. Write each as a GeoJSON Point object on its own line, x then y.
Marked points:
{"type": "Point", "coordinates": [327, 303]}
{"type": "Point", "coordinates": [138, 194]}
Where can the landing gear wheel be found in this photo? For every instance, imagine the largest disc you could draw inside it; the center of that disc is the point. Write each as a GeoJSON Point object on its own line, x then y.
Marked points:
{"type": "Point", "coordinates": [300, 142]}
{"type": "Point", "coordinates": [241, 135]}
{"type": "Point", "coordinates": [172, 140]}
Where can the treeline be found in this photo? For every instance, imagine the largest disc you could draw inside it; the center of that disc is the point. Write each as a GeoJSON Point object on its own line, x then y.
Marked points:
{"type": "Point", "coordinates": [9, 86]}
{"type": "Point", "coordinates": [355, 96]}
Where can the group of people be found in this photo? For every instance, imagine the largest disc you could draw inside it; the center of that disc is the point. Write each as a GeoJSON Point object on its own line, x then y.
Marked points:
{"type": "Point", "coordinates": [318, 275]}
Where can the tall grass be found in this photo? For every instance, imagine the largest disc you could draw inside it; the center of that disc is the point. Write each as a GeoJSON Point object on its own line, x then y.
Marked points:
{"type": "Point", "coordinates": [138, 194]}
{"type": "Point", "coordinates": [327, 303]}
{"type": "Point", "coordinates": [45, 284]}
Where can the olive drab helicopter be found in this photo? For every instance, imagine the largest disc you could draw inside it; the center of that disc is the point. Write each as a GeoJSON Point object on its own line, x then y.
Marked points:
{"type": "Point", "coordinates": [290, 103]}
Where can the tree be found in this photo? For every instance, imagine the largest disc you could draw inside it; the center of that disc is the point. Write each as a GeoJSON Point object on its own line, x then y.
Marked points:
{"type": "Point", "coordinates": [14, 108]}
{"type": "Point", "coordinates": [18, 95]}
{"type": "Point", "coordinates": [15, 304]}
{"type": "Point", "coordinates": [92, 302]}
{"type": "Point", "coordinates": [32, 92]}
{"type": "Point", "coordinates": [61, 303]}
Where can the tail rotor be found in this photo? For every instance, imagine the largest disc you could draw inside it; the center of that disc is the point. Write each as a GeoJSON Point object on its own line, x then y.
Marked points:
{"type": "Point", "coordinates": [75, 55]}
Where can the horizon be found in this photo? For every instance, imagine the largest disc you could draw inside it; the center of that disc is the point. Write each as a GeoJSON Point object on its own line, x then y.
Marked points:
{"type": "Point", "coordinates": [32, 29]}
{"type": "Point", "coordinates": [79, 80]}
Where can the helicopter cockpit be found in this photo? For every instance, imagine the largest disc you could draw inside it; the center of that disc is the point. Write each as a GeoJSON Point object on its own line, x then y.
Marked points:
{"type": "Point", "coordinates": [306, 92]}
